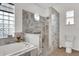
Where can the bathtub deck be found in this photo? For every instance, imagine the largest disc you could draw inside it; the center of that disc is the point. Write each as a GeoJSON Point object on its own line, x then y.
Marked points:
{"type": "Point", "coordinates": [15, 49]}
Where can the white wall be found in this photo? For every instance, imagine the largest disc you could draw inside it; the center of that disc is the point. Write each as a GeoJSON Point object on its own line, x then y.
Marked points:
{"type": "Point", "coordinates": [69, 30]}
{"type": "Point", "coordinates": [28, 7]}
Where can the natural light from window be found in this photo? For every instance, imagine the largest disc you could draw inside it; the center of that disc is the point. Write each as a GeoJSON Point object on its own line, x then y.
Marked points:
{"type": "Point", "coordinates": [7, 20]}
{"type": "Point", "coordinates": [70, 17]}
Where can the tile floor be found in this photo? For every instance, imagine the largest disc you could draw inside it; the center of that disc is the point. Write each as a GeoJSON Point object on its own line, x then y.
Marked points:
{"type": "Point", "coordinates": [61, 52]}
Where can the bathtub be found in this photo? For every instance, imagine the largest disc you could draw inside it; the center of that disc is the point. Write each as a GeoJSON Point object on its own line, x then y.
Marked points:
{"type": "Point", "coordinates": [16, 49]}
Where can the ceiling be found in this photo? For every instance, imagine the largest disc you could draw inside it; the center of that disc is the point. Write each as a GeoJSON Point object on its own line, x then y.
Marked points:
{"type": "Point", "coordinates": [43, 8]}
{"type": "Point", "coordinates": [46, 5]}
{"type": "Point", "coordinates": [57, 6]}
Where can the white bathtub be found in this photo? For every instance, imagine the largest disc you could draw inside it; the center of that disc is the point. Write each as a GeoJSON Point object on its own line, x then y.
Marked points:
{"type": "Point", "coordinates": [16, 49]}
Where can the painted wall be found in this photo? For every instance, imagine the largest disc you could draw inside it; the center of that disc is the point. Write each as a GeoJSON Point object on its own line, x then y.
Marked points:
{"type": "Point", "coordinates": [66, 30]}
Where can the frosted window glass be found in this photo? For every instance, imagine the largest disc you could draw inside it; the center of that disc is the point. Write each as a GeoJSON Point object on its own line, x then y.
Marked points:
{"type": "Point", "coordinates": [1, 21]}
{"type": "Point", "coordinates": [11, 31]}
{"type": "Point", "coordinates": [11, 22]}
{"type": "Point", "coordinates": [1, 32]}
{"type": "Point", "coordinates": [1, 25]}
{"type": "Point", "coordinates": [5, 25]}
{"type": "Point", "coordinates": [1, 12]}
{"type": "Point", "coordinates": [1, 16]}
{"type": "Point", "coordinates": [70, 21]}
{"type": "Point", "coordinates": [5, 32]}
{"type": "Point", "coordinates": [5, 17]}
{"type": "Point", "coordinates": [11, 18]}
{"type": "Point", "coordinates": [11, 26]}
{"type": "Point", "coordinates": [5, 22]}
{"type": "Point", "coordinates": [5, 13]}
{"type": "Point", "coordinates": [11, 14]}
{"type": "Point", "coordinates": [70, 14]}
{"type": "Point", "coordinates": [70, 17]}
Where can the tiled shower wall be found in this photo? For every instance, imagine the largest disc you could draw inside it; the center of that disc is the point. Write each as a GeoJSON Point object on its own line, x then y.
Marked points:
{"type": "Point", "coordinates": [53, 29]}
{"type": "Point", "coordinates": [40, 27]}
{"type": "Point", "coordinates": [30, 24]}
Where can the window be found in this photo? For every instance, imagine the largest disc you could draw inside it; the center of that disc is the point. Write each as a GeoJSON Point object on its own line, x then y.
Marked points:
{"type": "Point", "coordinates": [70, 17]}
{"type": "Point", "coordinates": [7, 21]}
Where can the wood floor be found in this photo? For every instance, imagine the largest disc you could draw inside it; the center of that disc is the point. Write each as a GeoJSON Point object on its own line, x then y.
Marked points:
{"type": "Point", "coordinates": [61, 52]}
